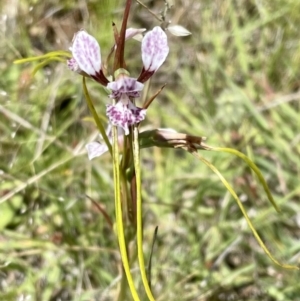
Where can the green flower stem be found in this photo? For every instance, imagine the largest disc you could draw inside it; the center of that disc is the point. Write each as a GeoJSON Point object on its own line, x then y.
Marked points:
{"type": "Point", "coordinates": [119, 217]}
{"type": "Point", "coordinates": [128, 210]}
{"type": "Point", "coordinates": [125, 197]}
{"type": "Point", "coordinates": [95, 116]}
{"type": "Point", "coordinates": [230, 189]}
{"type": "Point", "coordinates": [252, 165]}
{"type": "Point", "coordinates": [136, 157]}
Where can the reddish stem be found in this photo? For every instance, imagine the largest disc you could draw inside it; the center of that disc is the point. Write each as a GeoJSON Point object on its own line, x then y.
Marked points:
{"type": "Point", "coordinates": [119, 55]}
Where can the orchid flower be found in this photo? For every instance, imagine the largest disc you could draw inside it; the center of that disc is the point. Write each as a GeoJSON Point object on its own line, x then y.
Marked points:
{"type": "Point", "coordinates": [86, 59]}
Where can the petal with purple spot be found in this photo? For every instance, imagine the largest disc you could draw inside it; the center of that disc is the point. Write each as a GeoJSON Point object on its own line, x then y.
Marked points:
{"type": "Point", "coordinates": [86, 53]}
{"type": "Point", "coordinates": [73, 66]}
{"type": "Point", "coordinates": [125, 85]}
{"type": "Point", "coordinates": [123, 115]}
{"type": "Point", "coordinates": [154, 49]}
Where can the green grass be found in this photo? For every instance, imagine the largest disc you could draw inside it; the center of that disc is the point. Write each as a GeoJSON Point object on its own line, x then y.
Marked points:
{"type": "Point", "coordinates": [235, 80]}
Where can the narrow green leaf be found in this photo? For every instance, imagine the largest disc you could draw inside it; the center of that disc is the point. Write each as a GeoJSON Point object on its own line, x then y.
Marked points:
{"type": "Point", "coordinates": [252, 165]}
{"type": "Point", "coordinates": [119, 215]}
{"type": "Point", "coordinates": [139, 209]}
{"type": "Point", "coordinates": [95, 116]}
{"type": "Point", "coordinates": [232, 192]}
{"type": "Point", "coordinates": [46, 62]}
{"type": "Point", "coordinates": [53, 54]}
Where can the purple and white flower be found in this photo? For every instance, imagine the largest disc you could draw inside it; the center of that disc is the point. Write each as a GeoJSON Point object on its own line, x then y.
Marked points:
{"type": "Point", "coordinates": [124, 113]}
{"type": "Point", "coordinates": [124, 90]}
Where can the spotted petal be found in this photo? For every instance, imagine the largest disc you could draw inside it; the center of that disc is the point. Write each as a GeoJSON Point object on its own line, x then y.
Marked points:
{"type": "Point", "coordinates": [154, 49]}
{"type": "Point", "coordinates": [86, 53]}
{"type": "Point", "coordinates": [125, 85]}
{"type": "Point", "coordinates": [125, 115]}
{"type": "Point", "coordinates": [73, 66]}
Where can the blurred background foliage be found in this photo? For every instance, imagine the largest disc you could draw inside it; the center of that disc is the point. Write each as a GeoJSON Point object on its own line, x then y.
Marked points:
{"type": "Point", "coordinates": [235, 80]}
